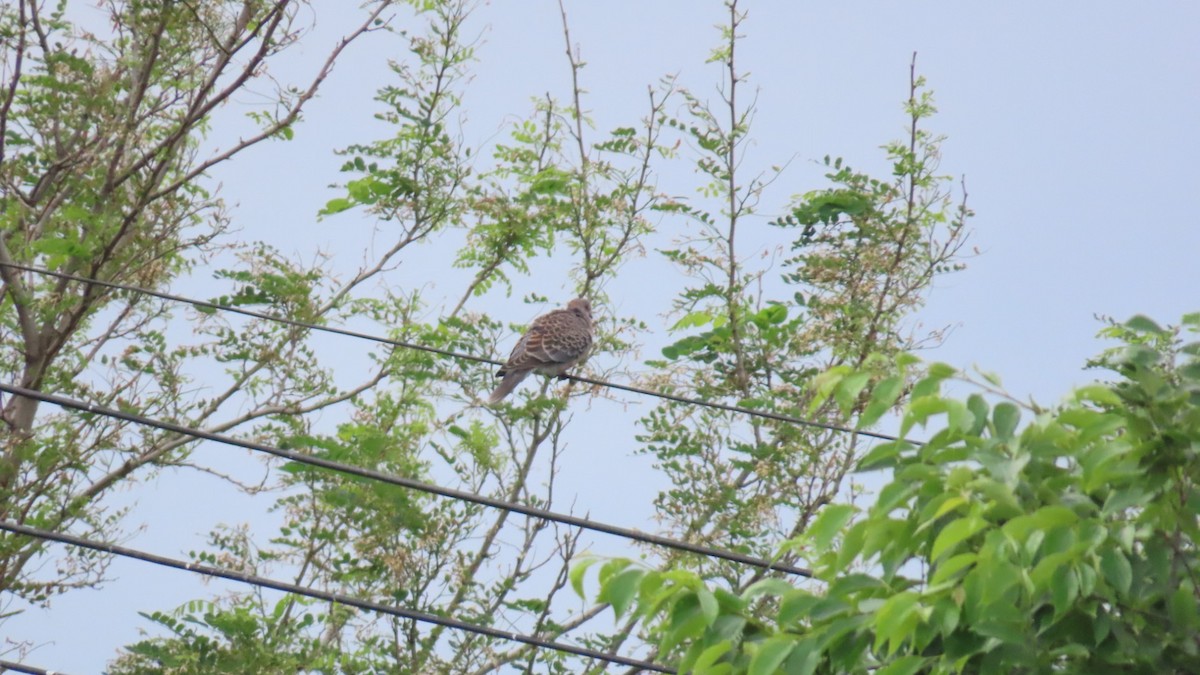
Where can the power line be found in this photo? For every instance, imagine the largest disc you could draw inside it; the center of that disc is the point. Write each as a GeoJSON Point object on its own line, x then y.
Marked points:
{"type": "Point", "coordinates": [329, 596]}
{"type": "Point", "coordinates": [349, 469]}
{"type": "Point", "coordinates": [765, 414]}
{"type": "Point", "coordinates": [6, 666]}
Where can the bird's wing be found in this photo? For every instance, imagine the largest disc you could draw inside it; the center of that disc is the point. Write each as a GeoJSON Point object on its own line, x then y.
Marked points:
{"type": "Point", "coordinates": [557, 337]}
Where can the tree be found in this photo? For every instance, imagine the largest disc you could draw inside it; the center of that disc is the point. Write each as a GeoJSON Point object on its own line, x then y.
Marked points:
{"type": "Point", "coordinates": [102, 175]}
{"type": "Point", "coordinates": [863, 255]}
{"type": "Point", "coordinates": [1065, 545]}
{"type": "Point", "coordinates": [135, 207]}
{"type": "Point", "coordinates": [550, 190]}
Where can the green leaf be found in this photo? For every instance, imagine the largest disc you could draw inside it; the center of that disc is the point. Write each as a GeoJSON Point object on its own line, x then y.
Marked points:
{"type": "Point", "coordinates": [888, 390]}
{"type": "Point", "coordinates": [826, 608]}
{"type": "Point", "coordinates": [950, 505]}
{"type": "Point", "coordinates": [549, 181]}
{"type": "Point", "coordinates": [1064, 589]}
{"type": "Point", "coordinates": [335, 205]}
{"type": "Point", "coordinates": [882, 455]}
{"type": "Point", "coordinates": [797, 604]}
{"type": "Point", "coordinates": [955, 532]}
{"type": "Point", "coordinates": [692, 319]}
{"type": "Point", "coordinates": [1005, 416]}
{"type": "Point", "coordinates": [621, 589]}
{"type": "Point", "coordinates": [1098, 393]}
{"type": "Point", "coordinates": [953, 566]}
{"type": "Point", "coordinates": [776, 314]}
{"type": "Point", "coordinates": [828, 524]}
{"type": "Point", "coordinates": [1141, 356]}
{"type": "Point", "coordinates": [75, 212]}
{"type": "Point", "coordinates": [946, 615]}
{"type": "Point", "coordinates": [805, 657]}
{"type": "Point", "coordinates": [1074, 651]}
{"type": "Point", "coordinates": [1182, 609]}
{"type": "Point", "coordinates": [883, 397]}
{"type": "Point", "coordinates": [704, 664]}
{"type": "Point", "coordinates": [959, 416]}
{"type": "Point", "coordinates": [1119, 500]}
{"type": "Point", "coordinates": [687, 622]}
{"type": "Point", "coordinates": [1143, 324]}
{"type": "Point", "coordinates": [1004, 631]}
{"type": "Point", "coordinates": [1043, 572]}
{"type": "Point", "coordinates": [771, 654]}
{"type": "Point", "coordinates": [57, 247]}
{"type": "Point", "coordinates": [895, 620]}
{"type": "Point", "coordinates": [578, 570]}
{"type": "Point", "coordinates": [708, 605]}
{"type": "Point", "coordinates": [612, 568]}
{"type": "Point", "coordinates": [768, 586]}
{"type": "Point", "coordinates": [921, 409]}
{"type": "Point", "coordinates": [931, 383]}
{"type": "Point", "coordinates": [848, 390]}
{"type": "Point", "coordinates": [824, 384]}
{"type": "Point", "coordinates": [905, 665]}
{"type": "Point", "coordinates": [893, 495]}
{"type": "Point", "coordinates": [1116, 569]}
{"type": "Point", "coordinates": [853, 584]}
{"type": "Point", "coordinates": [1044, 519]}
{"type": "Point", "coordinates": [979, 410]}
{"type": "Point", "coordinates": [1190, 372]}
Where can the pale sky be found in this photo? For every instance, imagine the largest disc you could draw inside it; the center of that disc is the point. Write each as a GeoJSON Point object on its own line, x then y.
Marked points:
{"type": "Point", "coordinates": [1075, 124]}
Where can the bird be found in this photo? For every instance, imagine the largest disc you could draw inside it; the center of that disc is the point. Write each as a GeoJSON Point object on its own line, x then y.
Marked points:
{"type": "Point", "coordinates": [554, 343]}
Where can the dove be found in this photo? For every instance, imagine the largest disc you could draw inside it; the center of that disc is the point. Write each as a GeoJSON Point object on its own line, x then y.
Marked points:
{"type": "Point", "coordinates": [554, 343]}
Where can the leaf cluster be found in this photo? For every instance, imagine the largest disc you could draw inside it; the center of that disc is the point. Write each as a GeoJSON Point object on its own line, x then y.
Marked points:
{"type": "Point", "coordinates": [1068, 543]}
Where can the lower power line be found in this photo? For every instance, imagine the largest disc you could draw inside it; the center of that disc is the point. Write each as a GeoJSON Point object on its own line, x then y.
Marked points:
{"type": "Point", "coordinates": [451, 493]}
{"type": "Point", "coordinates": [6, 666]}
{"type": "Point", "coordinates": [329, 596]}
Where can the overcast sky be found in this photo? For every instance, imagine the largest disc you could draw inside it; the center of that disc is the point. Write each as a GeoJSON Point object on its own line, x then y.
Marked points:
{"type": "Point", "coordinates": [1076, 125]}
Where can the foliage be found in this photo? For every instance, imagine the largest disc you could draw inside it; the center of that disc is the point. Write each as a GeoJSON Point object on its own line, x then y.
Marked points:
{"type": "Point", "coordinates": [863, 255]}
{"type": "Point", "coordinates": [1068, 544]}
{"type": "Point", "coordinates": [548, 191]}
{"type": "Point", "coordinates": [248, 634]}
{"type": "Point", "coordinates": [104, 175]}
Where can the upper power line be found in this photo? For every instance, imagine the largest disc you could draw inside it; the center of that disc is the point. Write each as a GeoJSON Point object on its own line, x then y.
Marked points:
{"type": "Point", "coordinates": [328, 596]}
{"type": "Point", "coordinates": [764, 414]}
{"type": "Point", "coordinates": [400, 481]}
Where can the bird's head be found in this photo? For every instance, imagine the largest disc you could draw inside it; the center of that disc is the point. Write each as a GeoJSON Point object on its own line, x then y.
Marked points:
{"type": "Point", "coordinates": [582, 307]}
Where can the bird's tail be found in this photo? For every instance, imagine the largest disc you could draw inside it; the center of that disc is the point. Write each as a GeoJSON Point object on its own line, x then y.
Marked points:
{"type": "Point", "coordinates": [510, 382]}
